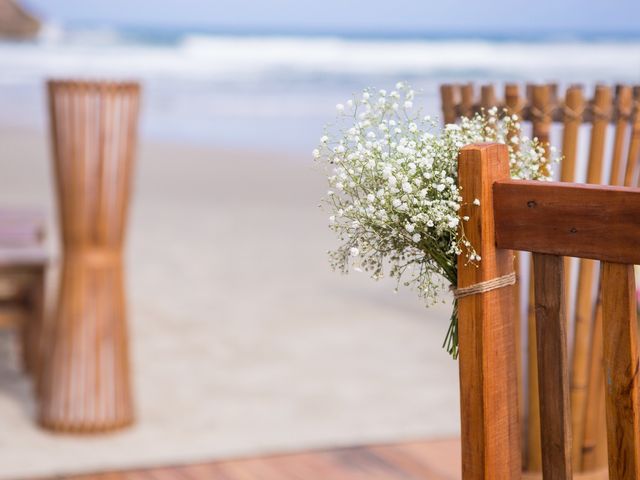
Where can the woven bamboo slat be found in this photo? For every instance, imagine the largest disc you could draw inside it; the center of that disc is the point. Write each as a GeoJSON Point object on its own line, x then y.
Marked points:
{"type": "Point", "coordinates": [86, 385]}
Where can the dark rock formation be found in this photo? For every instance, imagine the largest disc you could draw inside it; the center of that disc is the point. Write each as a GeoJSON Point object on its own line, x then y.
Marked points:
{"type": "Point", "coordinates": [15, 22]}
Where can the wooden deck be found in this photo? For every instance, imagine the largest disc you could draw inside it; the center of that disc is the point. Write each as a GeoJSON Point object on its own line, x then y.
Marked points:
{"type": "Point", "coordinates": [434, 460]}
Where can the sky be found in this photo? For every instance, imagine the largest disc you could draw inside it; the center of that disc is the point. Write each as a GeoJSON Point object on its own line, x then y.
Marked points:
{"type": "Point", "coordinates": [477, 16]}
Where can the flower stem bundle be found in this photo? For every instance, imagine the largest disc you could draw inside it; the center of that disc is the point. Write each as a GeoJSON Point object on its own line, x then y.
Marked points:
{"type": "Point", "coordinates": [394, 199]}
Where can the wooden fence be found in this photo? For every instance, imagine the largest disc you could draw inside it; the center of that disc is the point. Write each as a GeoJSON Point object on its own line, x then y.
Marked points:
{"type": "Point", "coordinates": [612, 118]}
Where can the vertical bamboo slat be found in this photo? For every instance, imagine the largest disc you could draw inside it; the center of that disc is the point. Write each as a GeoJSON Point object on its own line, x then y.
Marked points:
{"type": "Point", "coordinates": [541, 124]}
{"type": "Point", "coordinates": [489, 408]}
{"type": "Point", "coordinates": [447, 95]}
{"type": "Point", "coordinates": [513, 104]}
{"type": "Point", "coordinates": [634, 142]}
{"type": "Point", "coordinates": [85, 384]}
{"type": "Point", "coordinates": [488, 97]}
{"type": "Point", "coordinates": [466, 100]}
{"type": "Point", "coordinates": [623, 105]}
{"type": "Point", "coordinates": [572, 113]}
{"type": "Point", "coordinates": [584, 309]}
{"type": "Point", "coordinates": [594, 421]}
{"type": "Point", "coordinates": [593, 444]}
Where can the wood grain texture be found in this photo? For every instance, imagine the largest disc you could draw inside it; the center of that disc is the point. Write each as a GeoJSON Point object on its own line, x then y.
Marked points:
{"type": "Point", "coordinates": [466, 100]}
{"type": "Point", "coordinates": [620, 335]}
{"type": "Point", "coordinates": [577, 220]}
{"type": "Point", "coordinates": [576, 110]}
{"type": "Point", "coordinates": [513, 104]}
{"type": "Point", "coordinates": [584, 306]}
{"type": "Point", "coordinates": [553, 366]}
{"type": "Point", "coordinates": [488, 393]}
{"type": "Point", "coordinates": [449, 112]}
{"type": "Point", "coordinates": [432, 460]}
{"type": "Point", "coordinates": [573, 118]}
{"type": "Point", "coordinates": [633, 151]}
{"type": "Point", "coordinates": [594, 447]}
{"type": "Point", "coordinates": [533, 452]}
{"type": "Point", "coordinates": [85, 385]}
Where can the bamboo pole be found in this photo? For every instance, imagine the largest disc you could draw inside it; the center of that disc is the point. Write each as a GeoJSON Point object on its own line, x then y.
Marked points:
{"type": "Point", "coordinates": [634, 141]}
{"type": "Point", "coordinates": [448, 103]}
{"type": "Point", "coordinates": [540, 110]}
{"type": "Point", "coordinates": [466, 100]}
{"type": "Point", "coordinates": [595, 439]}
{"type": "Point", "coordinates": [584, 309]}
{"type": "Point", "coordinates": [513, 104]}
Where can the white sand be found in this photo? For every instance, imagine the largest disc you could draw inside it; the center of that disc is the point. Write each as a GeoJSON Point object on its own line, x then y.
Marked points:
{"type": "Point", "coordinates": [244, 341]}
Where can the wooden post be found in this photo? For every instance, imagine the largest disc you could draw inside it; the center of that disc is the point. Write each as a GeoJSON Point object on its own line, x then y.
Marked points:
{"type": "Point", "coordinates": [621, 363]}
{"type": "Point", "coordinates": [553, 368]}
{"type": "Point", "coordinates": [488, 398]}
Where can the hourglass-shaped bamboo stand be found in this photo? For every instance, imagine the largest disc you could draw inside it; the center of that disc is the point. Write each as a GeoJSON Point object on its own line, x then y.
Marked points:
{"type": "Point", "coordinates": [85, 385]}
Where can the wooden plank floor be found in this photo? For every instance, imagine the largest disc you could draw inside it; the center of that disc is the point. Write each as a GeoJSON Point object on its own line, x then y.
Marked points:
{"type": "Point", "coordinates": [433, 460]}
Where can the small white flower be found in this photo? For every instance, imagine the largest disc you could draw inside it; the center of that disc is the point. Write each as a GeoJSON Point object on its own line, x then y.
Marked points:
{"type": "Point", "coordinates": [396, 202]}
{"type": "Point", "coordinates": [371, 197]}
{"type": "Point", "coordinates": [324, 139]}
{"type": "Point", "coordinates": [416, 237]}
{"type": "Point", "coordinates": [354, 252]}
{"type": "Point", "coordinates": [340, 107]}
{"type": "Point", "coordinates": [476, 202]}
{"type": "Point", "coordinates": [332, 219]}
{"type": "Point", "coordinates": [316, 153]}
{"type": "Point", "coordinates": [408, 104]}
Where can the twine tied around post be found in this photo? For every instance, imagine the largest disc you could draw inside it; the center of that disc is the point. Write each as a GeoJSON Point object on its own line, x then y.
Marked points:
{"type": "Point", "coordinates": [486, 286]}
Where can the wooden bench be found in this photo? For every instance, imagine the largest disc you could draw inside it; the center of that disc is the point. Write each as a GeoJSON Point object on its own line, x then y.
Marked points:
{"type": "Point", "coordinates": [23, 263]}
{"type": "Point", "coordinates": [551, 220]}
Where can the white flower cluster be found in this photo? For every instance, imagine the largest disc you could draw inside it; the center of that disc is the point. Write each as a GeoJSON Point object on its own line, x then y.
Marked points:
{"type": "Point", "coordinates": [394, 196]}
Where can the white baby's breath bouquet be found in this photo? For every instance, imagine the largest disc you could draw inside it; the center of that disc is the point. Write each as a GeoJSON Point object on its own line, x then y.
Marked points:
{"type": "Point", "coordinates": [394, 199]}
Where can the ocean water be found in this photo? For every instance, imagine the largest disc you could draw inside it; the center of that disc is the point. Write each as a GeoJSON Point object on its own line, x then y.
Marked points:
{"type": "Point", "coordinates": [276, 91]}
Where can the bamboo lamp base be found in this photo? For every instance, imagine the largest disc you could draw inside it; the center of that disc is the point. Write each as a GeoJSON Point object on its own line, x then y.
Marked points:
{"type": "Point", "coordinates": [85, 385]}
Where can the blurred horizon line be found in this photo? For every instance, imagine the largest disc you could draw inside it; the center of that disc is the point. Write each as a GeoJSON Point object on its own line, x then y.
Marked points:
{"type": "Point", "coordinates": [169, 33]}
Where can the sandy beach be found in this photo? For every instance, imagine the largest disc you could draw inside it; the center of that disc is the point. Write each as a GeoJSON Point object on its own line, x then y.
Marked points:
{"type": "Point", "coordinates": [243, 340]}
